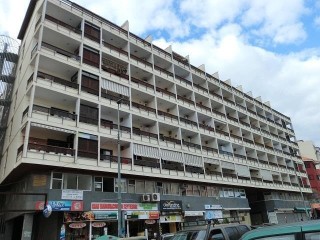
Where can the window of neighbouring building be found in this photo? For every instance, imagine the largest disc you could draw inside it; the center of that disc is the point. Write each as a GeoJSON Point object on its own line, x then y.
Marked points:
{"type": "Point", "coordinates": [71, 181]}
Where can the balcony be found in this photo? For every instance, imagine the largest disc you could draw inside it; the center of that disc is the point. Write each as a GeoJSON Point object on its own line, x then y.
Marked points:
{"type": "Point", "coordinates": [206, 127]}
{"type": "Point", "coordinates": [170, 139]}
{"type": "Point", "coordinates": [199, 105]}
{"type": "Point", "coordinates": [218, 113]}
{"type": "Point", "coordinates": [115, 49]}
{"type": "Point", "coordinates": [232, 118]}
{"type": "Point", "coordinates": [222, 132]}
{"type": "Point", "coordinates": [183, 80]}
{"type": "Point", "coordinates": [54, 111]}
{"type": "Point", "coordinates": [61, 51]}
{"type": "Point", "coordinates": [142, 83]}
{"type": "Point", "coordinates": [168, 115]}
{"type": "Point", "coordinates": [163, 71]}
{"type": "Point", "coordinates": [139, 132]}
{"type": "Point", "coordinates": [209, 149]}
{"type": "Point", "coordinates": [193, 169]}
{"type": "Point", "coordinates": [186, 100]}
{"type": "Point", "coordinates": [162, 52]}
{"type": "Point", "coordinates": [107, 124]}
{"type": "Point", "coordinates": [114, 159]}
{"type": "Point", "coordinates": [143, 107]}
{"type": "Point", "coordinates": [139, 40]}
{"type": "Point", "coordinates": [51, 149]}
{"type": "Point", "coordinates": [188, 122]}
{"type": "Point", "coordinates": [198, 70]}
{"type": "Point", "coordinates": [165, 92]}
{"type": "Point", "coordinates": [114, 68]}
{"type": "Point", "coordinates": [115, 97]}
{"type": "Point", "coordinates": [141, 61]}
{"type": "Point", "coordinates": [226, 153]}
{"type": "Point", "coordinates": [215, 94]}
{"type": "Point", "coordinates": [205, 90]}
{"type": "Point", "coordinates": [147, 162]}
{"type": "Point", "coordinates": [190, 144]}
{"type": "Point", "coordinates": [63, 24]}
{"type": "Point", "coordinates": [57, 80]}
{"type": "Point", "coordinates": [88, 120]}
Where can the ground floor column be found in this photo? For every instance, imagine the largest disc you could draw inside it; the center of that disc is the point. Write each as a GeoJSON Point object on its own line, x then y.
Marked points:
{"type": "Point", "coordinates": [27, 226]}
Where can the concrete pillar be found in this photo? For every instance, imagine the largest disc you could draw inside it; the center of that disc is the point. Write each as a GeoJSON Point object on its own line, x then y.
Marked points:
{"type": "Point", "coordinates": [27, 226]}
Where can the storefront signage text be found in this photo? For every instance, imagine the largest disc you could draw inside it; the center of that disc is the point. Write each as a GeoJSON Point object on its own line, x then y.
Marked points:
{"type": "Point", "coordinates": [170, 205]}
{"type": "Point", "coordinates": [98, 224]}
{"type": "Point", "coordinates": [212, 207]}
{"type": "Point", "coordinates": [142, 214]}
{"type": "Point", "coordinates": [72, 194]}
{"type": "Point", "coordinates": [125, 206]}
{"type": "Point", "coordinates": [77, 225]}
{"type": "Point", "coordinates": [61, 205]}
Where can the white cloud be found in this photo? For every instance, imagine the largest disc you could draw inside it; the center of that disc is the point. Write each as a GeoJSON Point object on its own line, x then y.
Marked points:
{"type": "Point", "coordinates": [317, 21]}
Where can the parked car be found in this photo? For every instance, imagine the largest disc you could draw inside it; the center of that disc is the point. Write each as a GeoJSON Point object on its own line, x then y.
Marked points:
{"type": "Point", "coordinates": [209, 232]}
{"type": "Point", "coordinates": [166, 236]}
{"type": "Point", "coordinates": [309, 230]}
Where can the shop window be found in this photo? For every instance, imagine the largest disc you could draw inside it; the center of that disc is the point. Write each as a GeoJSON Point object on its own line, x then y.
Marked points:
{"type": "Point", "coordinates": [242, 193]}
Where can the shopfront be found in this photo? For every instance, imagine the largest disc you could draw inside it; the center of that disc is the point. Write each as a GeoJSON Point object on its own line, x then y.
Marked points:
{"type": "Point", "coordinates": [138, 218]}
{"type": "Point", "coordinates": [171, 216]}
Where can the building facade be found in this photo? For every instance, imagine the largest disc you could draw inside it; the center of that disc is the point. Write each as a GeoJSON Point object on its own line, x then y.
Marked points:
{"type": "Point", "coordinates": [311, 158]}
{"type": "Point", "coordinates": [190, 145]}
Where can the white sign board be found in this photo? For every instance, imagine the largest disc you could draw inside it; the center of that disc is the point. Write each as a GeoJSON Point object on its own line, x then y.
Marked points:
{"type": "Point", "coordinates": [213, 214]}
{"type": "Point", "coordinates": [212, 207]}
{"type": "Point", "coordinates": [72, 195]}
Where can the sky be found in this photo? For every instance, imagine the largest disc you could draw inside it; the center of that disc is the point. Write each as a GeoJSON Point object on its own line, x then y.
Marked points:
{"type": "Point", "coordinates": [269, 47]}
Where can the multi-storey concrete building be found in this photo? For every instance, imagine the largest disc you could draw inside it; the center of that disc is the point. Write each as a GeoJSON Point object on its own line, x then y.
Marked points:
{"type": "Point", "coordinates": [189, 143]}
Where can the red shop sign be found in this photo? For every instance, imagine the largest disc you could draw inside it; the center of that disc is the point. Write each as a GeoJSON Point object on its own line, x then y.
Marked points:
{"type": "Point", "coordinates": [77, 225]}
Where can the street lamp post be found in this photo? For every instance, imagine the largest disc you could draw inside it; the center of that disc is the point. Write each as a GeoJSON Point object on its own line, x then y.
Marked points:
{"type": "Point", "coordinates": [119, 176]}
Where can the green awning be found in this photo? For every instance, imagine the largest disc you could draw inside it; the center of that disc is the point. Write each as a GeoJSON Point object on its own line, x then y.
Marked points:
{"type": "Point", "coordinates": [302, 209]}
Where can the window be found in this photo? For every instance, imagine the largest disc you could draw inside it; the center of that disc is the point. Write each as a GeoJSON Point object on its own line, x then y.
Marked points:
{"type": "Point", "coordinates": [131, 186]}
{"type": "Point", "coordinates": [71, 181]}
{"type": "Point", "coordinates": [232, 233]}
{"type": "Point", "coordinates": [282, 237]}
{"type": "Point", "coordinates": [123, 185]}
{"type": "Point", "coordinates": [103, 184]}
{"type": "Point", "coordinates": [312, 236]}
{"type": "Point", "coordinates": [140, 186]}
{"type": "Point", "coordinates": [216, 234]}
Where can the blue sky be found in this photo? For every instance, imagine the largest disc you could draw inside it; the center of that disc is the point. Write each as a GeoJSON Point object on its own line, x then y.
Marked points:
{"type": "Point", "coordinates": [269, 47]}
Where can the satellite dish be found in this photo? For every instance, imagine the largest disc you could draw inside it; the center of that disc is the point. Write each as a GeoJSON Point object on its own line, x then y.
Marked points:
{"type": "Point", "coordinates": [47, 211]}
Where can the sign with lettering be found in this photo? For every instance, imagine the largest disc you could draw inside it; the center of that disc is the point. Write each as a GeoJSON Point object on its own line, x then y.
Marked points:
{"type": "Point", "coordinates": [72, 194]}
{"type": "Point", "coordinates": [61, 205]}
{"type": "Point", "coordinates": [212, 207]}
{"type": "Point", "coordinates": [170, 205]}
{"type": "Point", "coordinates": [142, 215]}
{"type": "Point", "coordinates": [125, 206]}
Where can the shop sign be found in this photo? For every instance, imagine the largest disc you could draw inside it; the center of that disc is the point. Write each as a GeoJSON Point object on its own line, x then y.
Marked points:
{"type": "Point", "coordinates": [193, 213]}
{"type": "Point", "coordinates": [150, 222]}
{"type": "Point", "coordinates": [125, 206]}
{"type": "Point", "coordinates": [105, 215]}
{"type": "Point", "coordinates": [212, 207]}
{"type": "Point", "coordinates": [61, 205]}
{"type": "Point", "coordinates": [170, 205]}
{"type": "Point", "coordinates": [72, 194]}
{"type": "Point", "coordinates": [170, 218]}
{"type": "Point", "coordinates": [98, 224]}
{"type": "Point", "coordinates": [142, 214]}
{"type": "Point", "coordinates": [77, 225]}
{"type": "Point", "coordinates": [213, 214]}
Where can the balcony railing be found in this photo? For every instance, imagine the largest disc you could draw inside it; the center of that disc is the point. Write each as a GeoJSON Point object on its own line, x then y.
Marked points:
{"type": "Point", "coordinates": [141, 82]}
{"type": "Point", "coordinates": [225, 153]}
{"type": "Point", "coordinates": [63, 24]}
{"type": "Point", "coordinates": [161, 51]}
{"type": "Point", "coordinates": [190, 144]}
{"type": "Point", "coordinates": [146, 63]}
{"type": "Point", "coordinates": [139, 132]}
{"type": "Point", "coordinates": [147, 162]}
{"type": "Point", "coordinates": [215, 94]}
{"type": "Point", "coordinates": [170, 139]}
{"type": "Point", "coordinates": [58, 80]}
{"type": "Point", "coordinates": [200, 87]}
{"type": "Point", "coordinates": [209, 149]}
{"type": "Point", "coordinates": [114, 159]}
{"type": "Point", "coordinates": [248, 140]}
{"type": "Point", "coordinates": [206, 127]}
{"type": "Point", "coordinates": [203, 107]}
{"type": "Point", "coordinates": [232, 118]}
{"type": "Point", "coordinates": [161, 70]}
{"type": "Point", "coordinates": [89, 120]}
{"type": "Point", "coordinates": [107, 124]}
{"type": "Point", "coordinates": [87, 154]}
{"type": "Point", "coordinates": [181, 79]}
{"type": "Point", "coordinates": [112, 47]}
{"type": "Point", "coordinates": [165, 92]}
{"type": "Point", "coordinates": [218, 113]}
{"type": "Point", "coordinates": [167, 115]}
{"type": "Point", "coordinates": [187, 121]}
{"type": "Point", "coordinates": [115, 98]}
{"type": "Point", "coordinates": [138, 39]}
{"type": "Point", "coordinates": [143, 107]}
{"type": "Point", "coordinates": [51, 149]}
{"type": "Point", "coordinates": [222, 132]}
{"type": "Point", "coordinates": [54, 111]}
{"type": "Point", "coordinates": [61, 51]}
{"type": "Point", "coordinates": [185, 99]}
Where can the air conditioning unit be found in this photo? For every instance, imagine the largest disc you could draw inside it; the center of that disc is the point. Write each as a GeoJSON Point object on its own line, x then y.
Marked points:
{"type": "Point", "coordinates": [155, 197]}
{"type": "Point", "coordinates": [145, 198]}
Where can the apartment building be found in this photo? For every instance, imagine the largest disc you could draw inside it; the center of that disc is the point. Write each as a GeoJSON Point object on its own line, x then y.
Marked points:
{"type": "Point", "coordinates": [311, 157]}
{"type": "Point", "coordinates": [190, 145]}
